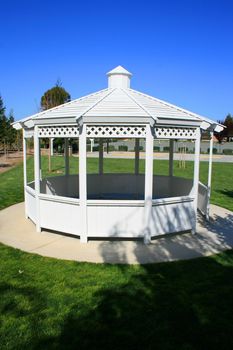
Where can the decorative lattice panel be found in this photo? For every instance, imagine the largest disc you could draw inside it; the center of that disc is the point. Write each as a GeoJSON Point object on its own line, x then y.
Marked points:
{"type": "Point", "coordinates": [175, 133]}
{"type": "Point", "coordinates": [116, 131]}
{"type": "Point", "coordinates": [59, 131]}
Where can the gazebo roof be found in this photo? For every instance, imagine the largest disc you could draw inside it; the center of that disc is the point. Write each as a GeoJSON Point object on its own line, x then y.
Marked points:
{"type": "Point", "coordinates": [118, 103]}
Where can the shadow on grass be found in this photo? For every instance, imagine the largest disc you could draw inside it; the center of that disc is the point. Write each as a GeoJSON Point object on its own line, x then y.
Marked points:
{"type": "Point", "coordinates": [178, 305]}
{"type": "Point", "coordinates": [227, 193]}
{"type": "Point", "coordinates": [182, 305]}
{"type": "Point", "coordinates": [23, 307]}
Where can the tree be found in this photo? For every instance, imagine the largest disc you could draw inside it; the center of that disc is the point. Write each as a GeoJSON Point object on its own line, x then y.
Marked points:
{"type": "Point", "coordinates": [8, 135]}
{"type": "Point", "coordinates": [3, 126]}
{"type": "Point", "coordinates": [53, 98]}
{"type": "Point", "coordinates": [2, 120]}
{"type": "Point", "coordinates": [227, 132]}
{"type": "Point", "coordinates": [19, 140]}
{"type": "Point", "coordinates": [11, 132]}
{"type": "Point", "coordinates": [228, 122]}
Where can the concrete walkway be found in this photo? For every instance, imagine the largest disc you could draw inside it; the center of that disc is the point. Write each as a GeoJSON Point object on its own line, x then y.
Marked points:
{"type": "Point", "coordinates": [219, 158]}
{"type": "Point", "coordinates": [212, 237]}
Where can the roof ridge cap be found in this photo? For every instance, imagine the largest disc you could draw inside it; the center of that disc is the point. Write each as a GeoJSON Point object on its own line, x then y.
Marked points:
{"type": "Point", "coordinates": [169, 104]}
{"type": "Point", "coordinates": [138, 103]}
{"type": "Point", "coordinates": [198, 116]}
{"type": "Point", "coordinates": [109, 91]}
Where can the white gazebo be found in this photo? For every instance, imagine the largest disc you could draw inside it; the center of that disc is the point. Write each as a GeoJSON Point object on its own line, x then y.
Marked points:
{"type": "Point", "coordinates": [116, 205]}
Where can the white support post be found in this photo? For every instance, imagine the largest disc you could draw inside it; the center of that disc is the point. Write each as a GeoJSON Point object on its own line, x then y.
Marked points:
{"type": "Point", "coordinates": [137, 153]}
{"type": "Point", "coordinates": [196, 177]}
{"type": "Point", "coordinates": [24, 159]}
{"type": "Point", "coordinates": [37, 177]}
{"type": "Point", "coordinates": [209, 175]}
{"type": "Point", "coordinates": [67, 163]}
{"type": "Point", "coordinates": [25, 172]}
{"type": "Point", "coordinates": [171, 156]}
{"type": "Point", "coordinates": [83, 182]}
{"type": "Point", "coordinates": [101, 157]}
{"type": "Point", "coordinates": [40, 165]}
{"type": "Point", "coordinates": [51, 147]}
{"type": "Point", "coordinates": [148, 183]}
{"type": "Point", "coordinates": [92, 144]}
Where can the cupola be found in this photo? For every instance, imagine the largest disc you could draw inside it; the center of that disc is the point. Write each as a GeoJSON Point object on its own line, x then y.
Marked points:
{"type": "Point", "coordinates": [119, 77]}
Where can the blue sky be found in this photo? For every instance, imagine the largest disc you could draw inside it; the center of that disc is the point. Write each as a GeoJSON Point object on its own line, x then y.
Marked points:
{"type": "Point", "coordinates": [179, 51]}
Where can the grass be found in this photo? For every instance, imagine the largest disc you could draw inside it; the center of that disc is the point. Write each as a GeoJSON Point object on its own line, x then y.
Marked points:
{"type": "Point", "coordinates": [11, 182]}
{"type": "Point", "coordinates": [53, 304]}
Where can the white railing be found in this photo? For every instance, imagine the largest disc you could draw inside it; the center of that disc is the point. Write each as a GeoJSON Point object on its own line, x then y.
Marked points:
{"type": "Point", "coordinates": [202, 202]}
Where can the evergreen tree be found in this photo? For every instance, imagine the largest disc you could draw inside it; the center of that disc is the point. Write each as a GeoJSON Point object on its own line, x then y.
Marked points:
{"type": "Point", "coordinates": [11, 132]}
{"type": "Point", "coordinates": [7, 132]}
{"type": "Point", "coordinates": [3, 126]}
{"type": "Point", "coordinates": [228, 122]}
{"type": "Point", "coordinates": [227, 132]}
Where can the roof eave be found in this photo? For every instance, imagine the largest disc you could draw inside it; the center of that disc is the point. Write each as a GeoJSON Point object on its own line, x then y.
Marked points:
{"type": "Point", "coordinates": [26, 123]}
{"type": "Point", "coordinates": [115, 119]}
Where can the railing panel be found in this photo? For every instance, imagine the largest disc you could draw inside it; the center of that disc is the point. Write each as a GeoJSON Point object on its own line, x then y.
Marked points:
{"type": "Point", "coordinates": [202, 202]}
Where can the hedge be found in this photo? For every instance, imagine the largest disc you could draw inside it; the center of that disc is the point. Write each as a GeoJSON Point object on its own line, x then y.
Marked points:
{"type": "Point", "coordinates": [140, 148]}
{"type": "Point", "coordinates": [227, 151]}
{"type": "Point", "coordinates": [123, 148]}
{"type": "Point", "coordinates": [111, 148]}
{"type": "Point", "coordinates": [215, 151]}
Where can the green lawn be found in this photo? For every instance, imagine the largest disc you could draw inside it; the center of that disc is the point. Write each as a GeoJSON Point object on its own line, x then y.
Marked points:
{"type": "Point", "coordinates": [11, 182]}
{"type": "Point", "coordinates": [53, 304]}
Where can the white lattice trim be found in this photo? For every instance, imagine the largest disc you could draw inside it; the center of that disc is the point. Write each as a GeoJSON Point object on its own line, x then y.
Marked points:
{"type": "Point", "coordinates": [116, 131]}
{"type": "Point", "coordinates": [58, 131]}
{"type": "Point", "coordinates": [175, 133]}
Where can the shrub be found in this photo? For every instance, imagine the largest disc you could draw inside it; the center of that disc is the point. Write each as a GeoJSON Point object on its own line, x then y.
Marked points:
{"type": "Point", "coordinates": [95, 148]}
{"type": "Point", "coordinates": [111, 148]}
{"type": "Point", "coordinates": [74, 147]}
{"type": "Point", "coordinates": [227, 151]}
{"type": "Point", "coordinates": [166, 149]}
{"type": "Point", "coordinates": [123, 148]}
{"type": "Point", "coordinates": [156, 148]}
{"type": "Point", "coordinates": [215, 151]}
{"type": "Point", "coordinates": [140, 148]}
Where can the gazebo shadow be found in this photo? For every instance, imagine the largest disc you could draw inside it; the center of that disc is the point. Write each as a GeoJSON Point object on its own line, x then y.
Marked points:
{"type": "Point", "coordinates": [211, 237]}
{"type": "Point", "coordinates": [170, 247]}
{"type": "Point", "coordinates": [226, 193]}
{"type": "Point", "coordinates": [221, 229]}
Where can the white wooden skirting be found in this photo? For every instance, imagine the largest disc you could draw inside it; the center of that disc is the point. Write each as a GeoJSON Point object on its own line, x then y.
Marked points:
{"type": "Point", "coordinates": [111, 218]}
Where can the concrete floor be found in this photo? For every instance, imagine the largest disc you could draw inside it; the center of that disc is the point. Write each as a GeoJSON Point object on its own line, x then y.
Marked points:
{"type": "Point", "coordinates": [212, 237]}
